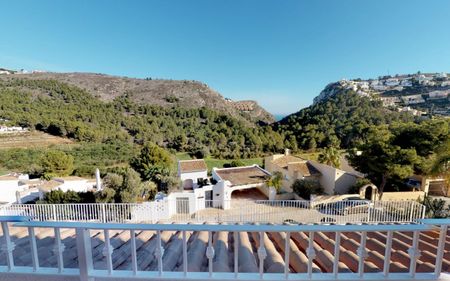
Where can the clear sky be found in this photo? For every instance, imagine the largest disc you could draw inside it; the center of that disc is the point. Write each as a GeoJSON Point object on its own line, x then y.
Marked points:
{"type": "Point", "coordinates": [280, 53]}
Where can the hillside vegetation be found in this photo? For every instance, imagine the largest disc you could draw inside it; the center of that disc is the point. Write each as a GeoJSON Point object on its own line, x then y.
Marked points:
{"type": "Point", "coordinates": [68, 111]}
{"type": "Point", "coordinates": [339, 120]}
{"type": "Point", "coordinates": [158, 92]}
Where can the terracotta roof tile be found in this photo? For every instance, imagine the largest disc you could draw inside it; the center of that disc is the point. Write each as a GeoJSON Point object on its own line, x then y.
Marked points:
{"type": "Point", "coordinates": [243, 175]}
{"type": "Point", "coordinates": [197, 165]}
{"type": "Point", "coordinates": [305, 168]}
{"type": "Point", "coordinates": [283, 161]}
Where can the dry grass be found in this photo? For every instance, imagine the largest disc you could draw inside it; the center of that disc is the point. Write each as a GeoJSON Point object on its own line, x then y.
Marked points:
{"type": "Point", "coordinates": [30, 140]}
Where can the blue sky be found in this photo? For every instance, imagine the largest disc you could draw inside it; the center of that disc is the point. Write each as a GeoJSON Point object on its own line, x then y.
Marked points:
{"type": "Point", "coordinates": [280, 53]}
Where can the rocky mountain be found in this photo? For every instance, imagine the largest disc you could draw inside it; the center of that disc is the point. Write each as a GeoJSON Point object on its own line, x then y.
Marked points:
{"type": "Point", "coordinates": [420, 94]}
{"type": "Point", "coordinates": [165, 93]}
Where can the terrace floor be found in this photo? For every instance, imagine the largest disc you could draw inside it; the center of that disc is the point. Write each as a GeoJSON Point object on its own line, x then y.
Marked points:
{"type": "Point", "coordinates": [248, 194]}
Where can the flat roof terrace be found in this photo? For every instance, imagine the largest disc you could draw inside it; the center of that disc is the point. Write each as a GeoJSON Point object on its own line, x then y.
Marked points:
{"type": "Point", "coordinates": [243, 175]}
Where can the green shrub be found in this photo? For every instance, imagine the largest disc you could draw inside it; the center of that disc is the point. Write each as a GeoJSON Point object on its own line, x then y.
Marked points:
{"type": "Point", "coordinates": [304, 188]}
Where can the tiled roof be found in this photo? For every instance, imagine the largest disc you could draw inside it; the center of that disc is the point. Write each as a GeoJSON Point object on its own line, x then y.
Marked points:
{"type": "Point", "coordinates": [305, 168]}
{"type": "Point", "coordinates": [8, 178]}
{"type": "Point", "coordinates": [49, 185]}
{"type": "Point", "coordinates": [243, 175]}
{"type": "Point", "coordinates": [197, 165]}
{"type": "Point", "coordinates": [70, 178]}
{"type": "Point", "coordinates": [284, 160]}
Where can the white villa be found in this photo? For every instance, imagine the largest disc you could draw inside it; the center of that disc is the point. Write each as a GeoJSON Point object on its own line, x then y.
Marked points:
{"type": "Point", "coordinates": [196, 189]}
{"type": "Point", "coordinates": [333, 180]}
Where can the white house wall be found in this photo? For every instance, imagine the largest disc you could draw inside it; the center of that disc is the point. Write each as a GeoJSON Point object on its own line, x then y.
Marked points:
{"type": "Point", "coordinates": [328, 177]}
{"type": "Point", "coordinates": [8, 189]}
{"type": "Point", "coordinates": [334, 180]}
{"type": "Point", "coordinates": [343, 182]}
{"type": "Point", "coordinates": [193, 176]}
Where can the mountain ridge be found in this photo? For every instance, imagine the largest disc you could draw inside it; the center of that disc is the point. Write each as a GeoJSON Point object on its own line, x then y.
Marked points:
{"type": "Point", "coordinates": [160, 92]}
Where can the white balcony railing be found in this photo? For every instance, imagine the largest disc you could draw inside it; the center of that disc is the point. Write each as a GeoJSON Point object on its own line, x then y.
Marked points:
{"type": "Point", "coordinates": [243, 211]}
{"type": "Point", "coordinates": [190, 244]}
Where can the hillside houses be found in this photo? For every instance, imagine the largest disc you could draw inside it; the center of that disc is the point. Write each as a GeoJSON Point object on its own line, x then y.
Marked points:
{"type": "Point", "coordinates": [390, 101]}
{"type": "Point", "coordinates": [19, 188]}
{"type": "Point", "coordinates": [412, 99]}
{"type": "Point", "coordinates": [13, 129]}
{"type": "Point", "coordinates": [439, 94]}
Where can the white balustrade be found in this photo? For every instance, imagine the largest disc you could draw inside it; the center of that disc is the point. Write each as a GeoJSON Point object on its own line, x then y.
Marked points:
{"type": "Point", "coordinates": [262, 211]}
{"type": "Point", "coordinates": [86, 270]}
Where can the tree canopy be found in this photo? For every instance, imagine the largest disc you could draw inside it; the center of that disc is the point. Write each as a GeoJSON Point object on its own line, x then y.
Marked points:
{"type": "Point", "coordinates": [392, 153]}
{"type": "Point", "coordinates": [341, 120]}
{"type": "Point", "coordinates": [56, 163]}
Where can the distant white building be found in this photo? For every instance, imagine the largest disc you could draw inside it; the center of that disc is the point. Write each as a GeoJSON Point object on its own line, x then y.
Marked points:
{"type": "Point", "coordinates": [438, 94]}
{"type": "Point", "coordinates": [76, 184]}
{"type": "Point", "coordinates": [191, 172]}
{"type": "Point", "coordinates": [413, 99]}
{"type": "Point", "coordinates": [363, 85]}
{"type": "Point", "coordinates": [424, 80]}
{"type": "Point", "coordinates": [392, 82]}
{"type": "Point", "coordinates": [406, 83]}
{"type": "Point", "coordinates": [390, 101]}
{"type": "Point", "coordinates": [413, 111]}
{"type": "Point", "coordinates": [6, 129]}
{"type": "Point", "coordinates": [379, 87]}
{"type": "Point", "coordinates": [374, 83]}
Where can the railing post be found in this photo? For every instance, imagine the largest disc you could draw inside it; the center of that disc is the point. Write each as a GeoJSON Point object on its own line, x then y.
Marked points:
{"type": "Point", "coordinates": [440, 250]}
{"type": "Point", "coordinates": [287, 248]}
{"type": "Point", "coordinates": [412, 211]}
{"type": "Point", "coordinates": [387, 254]}
{"type": "Point", "coordinates": [236, 254]}
{"type": "Point", "coordinates": [369, 213]}
{"type": "Point", "coordinates": [362, 253]}
{"type": "Point", "coordinates": [8, 246]}
{"type": "Point", "coordinates": [133, 252]}
{"type": "Point", "coordinates": [414, 254]}
{"type": "Point", "coordinates": [262, 254]}
{"type": "Point", "coordinates": [54, 212]}
{"type": "Point", "coordinates": [84, 253]}
{"type": "Point", "coordinates": [103, 213]}
{"type": "Point", "coordinates": [337, 245]}
{"type": "Point", "coordinates": [33, 246]}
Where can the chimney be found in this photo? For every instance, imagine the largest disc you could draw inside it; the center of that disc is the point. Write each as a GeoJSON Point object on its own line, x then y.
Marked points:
{"type": "Point", "coordinates": [287, 151]}
{"type": "Point", "coordinates": [98, 181]}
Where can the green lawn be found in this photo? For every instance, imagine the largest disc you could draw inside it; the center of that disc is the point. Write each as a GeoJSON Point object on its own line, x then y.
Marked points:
{"type": "Point", "coordinates": [308, 155]}
{"type": "Point", "coordinates": [218, 163]}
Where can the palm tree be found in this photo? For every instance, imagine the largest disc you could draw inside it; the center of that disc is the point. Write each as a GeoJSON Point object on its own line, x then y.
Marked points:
{"type": "Point", "coordinates": [275, 181]}
{"type": "Point", "coordinates": [440, 162]}
{"type": "Point", "coordinates": [330, 156]}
